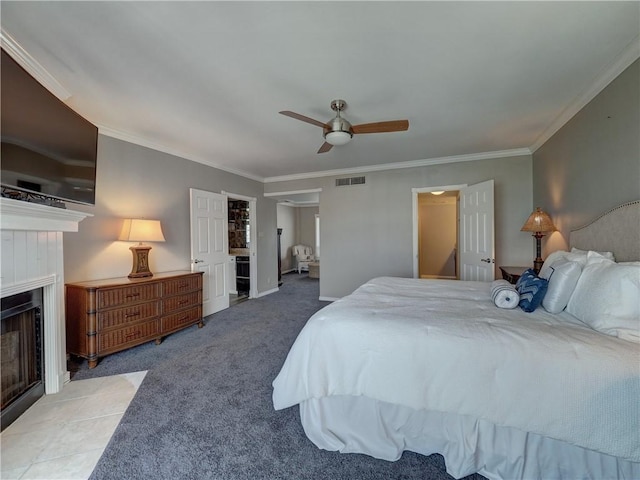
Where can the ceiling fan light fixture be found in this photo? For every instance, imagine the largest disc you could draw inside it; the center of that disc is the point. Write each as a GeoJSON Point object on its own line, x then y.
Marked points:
{"type": "Point", "coordinates": [338, 138]}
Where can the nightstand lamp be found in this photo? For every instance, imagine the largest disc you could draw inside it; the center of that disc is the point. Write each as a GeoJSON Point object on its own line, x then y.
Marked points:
{"type": "Point", "coordinates": [540, 223]}
{"type": "Point", "coordinates": [141, 230]}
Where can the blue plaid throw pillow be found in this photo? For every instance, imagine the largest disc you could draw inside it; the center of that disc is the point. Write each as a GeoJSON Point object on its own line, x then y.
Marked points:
{"type": "Point", "coordinates": [531, 289]}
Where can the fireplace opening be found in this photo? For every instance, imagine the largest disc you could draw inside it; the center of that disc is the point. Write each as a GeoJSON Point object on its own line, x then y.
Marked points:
{"type": "Point", "coordinates": [22, 355]}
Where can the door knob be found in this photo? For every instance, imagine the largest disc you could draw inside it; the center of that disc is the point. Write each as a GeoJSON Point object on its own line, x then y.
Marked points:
{"type": "Point", "coordinates": [198, 261]}
{"type": "Point", "coordinates": [487, 260]}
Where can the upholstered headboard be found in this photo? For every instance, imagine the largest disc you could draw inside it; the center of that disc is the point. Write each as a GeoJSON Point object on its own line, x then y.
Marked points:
{"type": "Point", "coordinates": [617, 231]}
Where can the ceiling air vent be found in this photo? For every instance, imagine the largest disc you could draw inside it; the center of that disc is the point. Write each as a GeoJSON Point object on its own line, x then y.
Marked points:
{"type": "Point", "coordinates": [343, 182]}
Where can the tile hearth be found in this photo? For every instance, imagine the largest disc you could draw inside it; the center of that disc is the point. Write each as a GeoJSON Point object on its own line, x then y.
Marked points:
{"type": "Point", "coordinates": [63, 435]}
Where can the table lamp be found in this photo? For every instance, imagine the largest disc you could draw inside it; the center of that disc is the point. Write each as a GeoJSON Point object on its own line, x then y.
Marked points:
{"type": "Point", "coordinates": [540, 223]}
{"type": "Point", "coordinates": [141, 230]}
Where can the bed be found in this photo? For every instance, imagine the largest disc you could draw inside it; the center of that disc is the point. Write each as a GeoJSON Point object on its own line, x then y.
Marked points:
{"type": "Point", "coordinates": [433, 366]}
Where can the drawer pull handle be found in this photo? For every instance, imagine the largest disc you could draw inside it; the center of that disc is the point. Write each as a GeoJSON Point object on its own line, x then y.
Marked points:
{"type": "Point", "coordinates": [132, 295]}
{"type": "Point", "coordinates": [182, 302]}
{"type": "Point", "coordinates": [186, 317]}
{"type": "Point", "coordinates": [134, 314]}
{"type": "Point", "coordinates": [132, 335]}
{"type": "Point", "coordinates": [183, 285]}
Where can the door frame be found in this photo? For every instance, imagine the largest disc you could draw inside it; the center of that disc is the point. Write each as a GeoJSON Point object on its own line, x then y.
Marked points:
{"type": "Point", "coordinates": [253, 239]}
{"type": "Point", "coordinates": [414, 202]}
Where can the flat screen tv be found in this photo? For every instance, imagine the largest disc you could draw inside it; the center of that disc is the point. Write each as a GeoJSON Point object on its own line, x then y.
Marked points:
{"type": "Point", "coordinates": [48, 150]}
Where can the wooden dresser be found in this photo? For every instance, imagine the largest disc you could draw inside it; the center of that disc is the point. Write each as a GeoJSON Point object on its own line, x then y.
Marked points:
{"type": "Point", "coordinates": [106, 316]}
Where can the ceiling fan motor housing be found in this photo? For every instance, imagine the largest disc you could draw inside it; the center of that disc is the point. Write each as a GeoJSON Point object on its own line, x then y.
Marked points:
{"type": "Point", "coordinates": [338, 131]}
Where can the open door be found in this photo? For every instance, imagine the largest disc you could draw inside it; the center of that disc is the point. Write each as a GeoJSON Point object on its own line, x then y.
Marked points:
{"type": "Point", "coordinates": [209, 247]}
{"type": "Point", "coordinates": [476, 244]}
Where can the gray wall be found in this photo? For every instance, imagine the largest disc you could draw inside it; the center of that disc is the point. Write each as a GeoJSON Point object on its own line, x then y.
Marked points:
{"type": "Point", "coordinates": [134, 181]}
{"type": "Point", "coordinates": [287, 222]}
{"type": "Point", "coordinates": [366, 229]}
{"type": "Point", "coordinates": [306, 220]}
{"type": "Point", "coordinates": [592, 163]}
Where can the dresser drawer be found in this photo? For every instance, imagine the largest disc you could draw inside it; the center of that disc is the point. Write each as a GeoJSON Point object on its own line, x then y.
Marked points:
{"type": "Point", "coordinates": [181, 301]}
{"type": "Point", "coordinates": [122, 316]}
{"type": "Point", "coordinates": [181, 285]}
{"type": "Point", "coordinates": [112, 297]}
{"type": "Point", "coordinates": [115, 340]}
{"type": "Point", "coordinates": [177, 320]}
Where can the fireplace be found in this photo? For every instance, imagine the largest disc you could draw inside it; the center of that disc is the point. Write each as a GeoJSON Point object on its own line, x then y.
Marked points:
{"type": "Point", "coordinates": [31, 259]}
{"type": "Point", "coordinates": [21, 352]}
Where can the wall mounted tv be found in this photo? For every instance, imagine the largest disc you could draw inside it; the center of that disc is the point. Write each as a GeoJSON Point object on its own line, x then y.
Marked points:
{"type": "Point", "coordinates": [48, 150]}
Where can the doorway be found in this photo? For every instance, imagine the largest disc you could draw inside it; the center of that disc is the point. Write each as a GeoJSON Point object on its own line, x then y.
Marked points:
{"type": "Point", "coordinates": [239, 247]}
{"type": "Point", "coordinates": [210, 251]}
{"type": "Point", "coordinates": [438, 234]}
{"type": "Point", "coordinates": [242, 241]}
{"type": "Point", "coordinates": [475, 249]}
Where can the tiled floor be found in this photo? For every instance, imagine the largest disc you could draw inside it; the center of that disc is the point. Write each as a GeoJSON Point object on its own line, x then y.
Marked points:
{"type": "Point", "coordinates": [62, 436]}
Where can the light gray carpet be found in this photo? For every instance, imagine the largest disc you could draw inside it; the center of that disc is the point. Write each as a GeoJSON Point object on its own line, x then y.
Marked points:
{"type": "Point", "coordinates": [204, 410]}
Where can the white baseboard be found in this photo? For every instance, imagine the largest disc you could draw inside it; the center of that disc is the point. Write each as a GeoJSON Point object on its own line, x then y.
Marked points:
{"type": "Point", "coordinates": [268, 292]}
{"type": "Point", "coordinates": [328, 299]}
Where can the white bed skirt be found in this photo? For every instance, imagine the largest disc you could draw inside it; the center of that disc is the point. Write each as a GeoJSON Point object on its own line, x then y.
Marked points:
{"type": "Point", "coordinates": [382, 430]}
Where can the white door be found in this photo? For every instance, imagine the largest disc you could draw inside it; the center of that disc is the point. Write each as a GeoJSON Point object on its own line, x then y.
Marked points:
{"type": "Point", "coordinates": [476, 244]}
{"type": "Point", "coordinates": [209, 247]}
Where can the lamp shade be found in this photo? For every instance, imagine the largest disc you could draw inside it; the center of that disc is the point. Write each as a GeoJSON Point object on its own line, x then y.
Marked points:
{"type": "Point", "coordinates": [338, 138]}
{"type": "Point", "coordinates": [141, 230]}
{"type": "Point", "coordinates": [538, 221]}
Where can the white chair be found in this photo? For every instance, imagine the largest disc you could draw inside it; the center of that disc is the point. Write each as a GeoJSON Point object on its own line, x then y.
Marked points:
{"type": "Point", "coordinates": [303, 255]}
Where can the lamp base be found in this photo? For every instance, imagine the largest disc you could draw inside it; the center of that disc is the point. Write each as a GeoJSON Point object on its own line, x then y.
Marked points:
{"type": "Point", "coordinates": [140, 261]}
{"type": "Point", "coordinates": [537, 264]}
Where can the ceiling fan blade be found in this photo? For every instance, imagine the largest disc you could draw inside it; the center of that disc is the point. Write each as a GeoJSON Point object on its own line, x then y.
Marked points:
{"type": "Point", "coordinates": [326, 146]}
{"type": "Point", "coordinates": [380, 127]}
{"type": "Point", "coordinates": [302, 118]}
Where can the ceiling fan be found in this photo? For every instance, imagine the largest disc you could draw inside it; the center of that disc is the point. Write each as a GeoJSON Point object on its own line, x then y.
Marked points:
{"type": "Point", "coordinates": [339, 131]}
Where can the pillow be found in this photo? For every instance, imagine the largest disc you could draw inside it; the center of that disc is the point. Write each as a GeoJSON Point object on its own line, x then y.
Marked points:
{"type": "Point", "coordinates": [607, 298]}
{"type": "Point", "coordinates": [562, 276]}
{"type": "Point", "coordinates": [608, 255]}
{"type": "Point", "coordinates": [504, 295]}
{"type": "Point", "coordinates": [562, 256]}
{"type": "Point", "coordinates": [531, 289]}
{"type": "Point", "coordinates": [575, 255]}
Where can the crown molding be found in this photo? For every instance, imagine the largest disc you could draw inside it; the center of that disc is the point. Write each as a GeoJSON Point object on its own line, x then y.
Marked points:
{"type": "Point", "coordinates": [143, 142]}
{"type": "Point", "coordinates": [26, 61]}
{"type": "Point", "coordinates": [629, 55]}
{"type": "Point", "coordinates": [517, 152]}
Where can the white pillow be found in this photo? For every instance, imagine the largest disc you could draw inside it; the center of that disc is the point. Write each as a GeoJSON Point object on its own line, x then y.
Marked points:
{"type": "Point", "coordinates": [607, 298]}
{"type": "Point", "coordinates": [562, 276]}
{"type": "Point", "coordinates": [608, 255]}
{"type": "Point", "coordinates": [561, 256]}
{"type": "Point", "coordinates": [575, 255]}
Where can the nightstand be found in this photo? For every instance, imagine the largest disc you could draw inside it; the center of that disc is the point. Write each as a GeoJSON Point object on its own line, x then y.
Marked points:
{"type": "Point", "coordinates": [512, 274]}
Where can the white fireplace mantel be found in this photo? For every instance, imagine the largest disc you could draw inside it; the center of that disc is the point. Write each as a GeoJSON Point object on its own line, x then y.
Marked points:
{"type": "Point", "coordinates": [32, 257]}
{"type": "Point", "coordinates": [19, 215]}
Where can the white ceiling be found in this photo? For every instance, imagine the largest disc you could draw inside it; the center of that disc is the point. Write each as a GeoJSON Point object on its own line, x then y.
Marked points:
{"type": "Point", "coordinates": [206, 80]}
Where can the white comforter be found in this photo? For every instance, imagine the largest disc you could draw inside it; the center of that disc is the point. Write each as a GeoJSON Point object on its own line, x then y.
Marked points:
{"type": "Point", "coordinates": [443, 345]}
